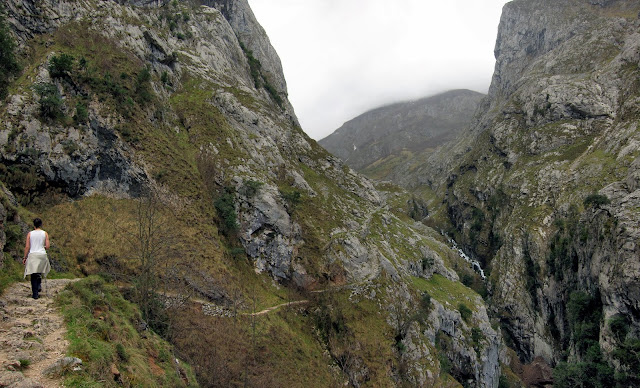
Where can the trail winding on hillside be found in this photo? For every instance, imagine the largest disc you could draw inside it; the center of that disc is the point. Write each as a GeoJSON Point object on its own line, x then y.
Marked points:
{"type": "Point", "coordinates": [270, 309]}
{"type": "Point", "coordinates": [32, 335]}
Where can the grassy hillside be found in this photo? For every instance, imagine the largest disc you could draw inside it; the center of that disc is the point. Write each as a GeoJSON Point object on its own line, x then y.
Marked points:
{"type": "Point", "coordinates": [108, 334]}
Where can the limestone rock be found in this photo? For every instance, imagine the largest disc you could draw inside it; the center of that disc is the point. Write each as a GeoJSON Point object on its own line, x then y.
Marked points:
{"type": "Point", "coordinates": [559, 116]}
{"type": "Point", "coordinates": [64, 364]}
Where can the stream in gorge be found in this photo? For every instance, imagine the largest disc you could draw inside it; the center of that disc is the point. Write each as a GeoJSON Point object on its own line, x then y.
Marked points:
{"type": "Point", "coordinates": [475, 264]}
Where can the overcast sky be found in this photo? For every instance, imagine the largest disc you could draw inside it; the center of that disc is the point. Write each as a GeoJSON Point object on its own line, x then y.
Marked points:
{"type": "Point", "coordinates": [344, 57]}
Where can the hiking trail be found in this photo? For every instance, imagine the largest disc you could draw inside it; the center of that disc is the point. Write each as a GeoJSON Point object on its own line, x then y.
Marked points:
{"type": "Point", "coordinates": [32, 335]}
{"type": "Point", "coordinates": [270, 309]}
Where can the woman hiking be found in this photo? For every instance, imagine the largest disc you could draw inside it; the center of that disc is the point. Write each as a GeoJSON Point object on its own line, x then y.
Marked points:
{"type": "Point", "coordinates": [35, 257]}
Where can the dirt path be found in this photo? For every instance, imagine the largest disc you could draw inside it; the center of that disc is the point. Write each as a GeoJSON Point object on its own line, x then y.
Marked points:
{"type": "Point", "coordinates": [31, 335]}
{"type": "Point", "coordinates": [270, 309]}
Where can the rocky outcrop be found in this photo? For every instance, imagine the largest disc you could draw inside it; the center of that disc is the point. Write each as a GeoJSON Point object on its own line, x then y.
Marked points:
{"type": "Point", "coordinates": [479, 363]}
{"type": "Point", "coordinates": [252, 35]}
{"type": "Point", "coordinates": [80, 160]}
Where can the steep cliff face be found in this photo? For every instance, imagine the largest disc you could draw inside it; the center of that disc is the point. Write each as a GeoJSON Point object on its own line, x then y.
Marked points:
{"type": "Point", "coordinates": [547, 195]}
{"type": "Point", "coordinates": [243, 22]}
{"type": "Point", "coordinates": [375, 140]}
{"type": "Point", "coordinates": [187, 100]}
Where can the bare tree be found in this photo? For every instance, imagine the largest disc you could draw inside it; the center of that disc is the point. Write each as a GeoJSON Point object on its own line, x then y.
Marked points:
{"type": "Point", "coordinates": [152, 244]}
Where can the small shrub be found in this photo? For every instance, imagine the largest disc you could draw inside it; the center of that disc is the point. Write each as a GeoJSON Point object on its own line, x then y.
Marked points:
{"type": "Point", "coordinates": [143, 86]}
{"type": "Point", "coordinates": [417, 209]}
{"type": "Point", "coordinates": [427, 262]}
{"type": "Point", "coordinates": [619, 326]}
{"type": "Point", "coordinates": [170, 59]}
{"type": "Point", "coordinates": [255, 67]}
{"type": "Point", "coordinates": [467, 280]}
{"type": "Point", "coordinates": [476, 338]}
{"type": "Point", "coordinates": [237, 253]}
{"type": "Point", "coordinates": [13, 233]}
{"type": "Point", "coordinates": [465, 312]}
{"type": "Point", "coordinates": [292, 198]}
{"type": "Point", "coordinates": [592, 372]}
{"type": "Point", "coordinates": [61, 65]}
{"type": "Point", "coordinates": [596, 200]}
{"type": "Point", "coordinates": [578, 306]}
{"type": "Point", "coordinates": [627, 354]}
{"type": "Point", "coordinates": [225, 207]}
{"type": "Point", "coordinates": [250, 188]}
{"type": "Point", "coordinates": [584, 313]}
{"type": "Point", "coordinates": [425, 302]}
{"type": "Point", "coordinates": [125, 132]}
{"type": "Point", "coordinates": [476, 335]}
{"type": "Point", "coordinates": [82, 63]}
{"type": "Point", "coordinates": [24, 180]}
{"type": "Point", "coordinates": [443, 345]}
{"type": "Point", "coordinates": [24, 363]}
{"type": "Point", "coordinates": [69, 146]}
{"type": "Point", "coordinates": [82, 113]}
{"type": "Point", "coordinates": [275, 96]}
{"type": "Point", "coordinates": [50, 100]}
{"type": "Point", "coordinates": [161, 175]}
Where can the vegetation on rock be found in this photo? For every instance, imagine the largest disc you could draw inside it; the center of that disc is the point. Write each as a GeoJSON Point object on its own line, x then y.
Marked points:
{"type": "Point", "coordinates": [9, 66]}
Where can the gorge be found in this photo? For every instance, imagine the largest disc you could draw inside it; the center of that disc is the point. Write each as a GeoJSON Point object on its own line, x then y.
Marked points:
{"type": "Point", "coordinates": [166, 124]}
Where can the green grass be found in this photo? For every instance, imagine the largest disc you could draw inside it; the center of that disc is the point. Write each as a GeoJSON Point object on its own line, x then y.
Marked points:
{"type": "Point", "coordinates": [11, 272]}
{"type": "Point", "coordinates": [381, 169]}
{"type": "Point", "coordinates": [293, 350]}
{"type": "Point", "coordinates": [102, 328]}
{"type": "Point", "coordinates": [447, 292]}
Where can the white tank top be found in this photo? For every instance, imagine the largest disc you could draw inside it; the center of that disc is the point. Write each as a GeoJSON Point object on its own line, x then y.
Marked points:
{"type": "Point", "coordinates": [37, 241]}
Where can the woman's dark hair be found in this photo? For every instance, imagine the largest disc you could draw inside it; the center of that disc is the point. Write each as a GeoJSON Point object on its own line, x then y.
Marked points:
{"type": "Point", "coordinates": [37, 222]}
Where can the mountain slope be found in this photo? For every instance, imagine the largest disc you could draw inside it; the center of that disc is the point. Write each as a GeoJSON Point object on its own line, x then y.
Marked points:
{"type": "Point", "coordinates": [157, 142]}
{"type": "Point", "coordinates": [414, 127]}
{"type": "Point", "coordinates": [545, 194]}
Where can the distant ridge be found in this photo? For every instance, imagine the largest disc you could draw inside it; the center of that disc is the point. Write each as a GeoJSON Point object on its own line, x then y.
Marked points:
{"type": "Point", "coordinates": [413, 126]}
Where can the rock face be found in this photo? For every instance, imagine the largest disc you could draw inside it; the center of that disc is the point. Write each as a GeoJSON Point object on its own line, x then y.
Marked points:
{"type": "Point", "coordinates": [415, 127]}
{"type": "Point", "coordinates": [250, 32]}
{"type": "Point", "coordinates": [188, 100]}
{"type": "Point", "coordinates": [546, 191]}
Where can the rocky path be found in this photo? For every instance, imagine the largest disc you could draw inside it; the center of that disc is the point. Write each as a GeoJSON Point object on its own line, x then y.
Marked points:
{"type": "Point", "coordinates": [32, 336]}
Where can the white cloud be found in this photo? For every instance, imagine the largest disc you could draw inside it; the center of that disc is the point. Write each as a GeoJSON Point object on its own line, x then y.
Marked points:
{"type": "Point", "coordinates": [343, 57]}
